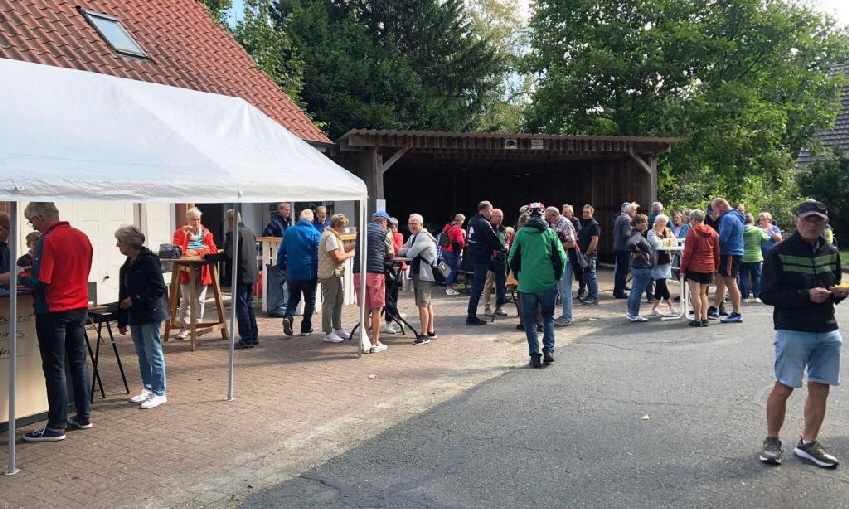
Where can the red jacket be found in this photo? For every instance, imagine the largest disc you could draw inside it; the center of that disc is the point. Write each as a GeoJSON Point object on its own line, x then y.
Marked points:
{"type": "Point", "coordinates": [455, 236]}
{"type": "Point", "coordinates": [182, 240]}
{"type": "Point", "coordinates": [701, 250]}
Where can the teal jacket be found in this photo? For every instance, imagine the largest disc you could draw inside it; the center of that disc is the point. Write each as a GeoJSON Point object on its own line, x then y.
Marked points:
{"type": "Point", "coordinates": [537, 257]}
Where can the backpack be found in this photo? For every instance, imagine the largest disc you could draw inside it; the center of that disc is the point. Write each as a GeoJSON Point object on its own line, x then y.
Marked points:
{"type": "Point", "coordinates": [445, 238]}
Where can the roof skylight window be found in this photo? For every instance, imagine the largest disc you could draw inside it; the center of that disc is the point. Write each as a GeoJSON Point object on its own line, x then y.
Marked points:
{"type": "Point", "coordinates": [111, 29]}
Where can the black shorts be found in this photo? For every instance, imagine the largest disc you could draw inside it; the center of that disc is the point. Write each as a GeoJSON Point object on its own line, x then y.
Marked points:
{"type": "Point", "coordinates": [704, 278]}
{"type": "Point", "coordinates": [729, 265]}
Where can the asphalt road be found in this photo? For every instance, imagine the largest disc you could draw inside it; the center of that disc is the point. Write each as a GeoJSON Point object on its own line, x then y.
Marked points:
{"type": "Point", "coordinates": [638, 415]}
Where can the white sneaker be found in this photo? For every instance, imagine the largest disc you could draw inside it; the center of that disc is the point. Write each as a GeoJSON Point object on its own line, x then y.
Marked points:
{"type": "Point", "coordinates": [332, 338]}
{"type": "Point", "coordinates": [144, 395]}
{"type": "Point", "coordinates": [452, 292]}
{"type": "Point", "coordinates": [655, 312]}
{"type": "Point", "coordinates": [387, 328]}
{"type": "Point", "coordinates": [379, 348]}
{"type": "Point", "coordinates": [182, 334]}
{"type": "Point", "coordinates": [154, 401]}
{"type": "Point", "coordinates": [639, 318]}
{"type": "Point", "coordinates": [758, 300]}
{"type": "Point", "coordinates": [342, 333]}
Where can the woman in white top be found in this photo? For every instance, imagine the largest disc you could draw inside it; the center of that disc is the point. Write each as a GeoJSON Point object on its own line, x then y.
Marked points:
{"type": "Point", "coordinates": [662, 269]}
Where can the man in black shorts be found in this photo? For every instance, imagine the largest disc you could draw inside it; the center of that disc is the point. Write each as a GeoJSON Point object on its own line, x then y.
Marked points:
{"type": "Point", "coordinates": [731, 254]}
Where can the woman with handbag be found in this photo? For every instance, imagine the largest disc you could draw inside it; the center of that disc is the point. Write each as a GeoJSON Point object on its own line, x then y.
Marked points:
{"type": "Point", "coordinates": [662, 263]}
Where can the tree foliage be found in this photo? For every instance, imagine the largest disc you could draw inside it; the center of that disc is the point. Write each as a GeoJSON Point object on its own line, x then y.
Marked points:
{"type": "Point", "coordinates": [745, 83]}
{"type": "Point", "coordinates": [391, 64]}
{"type": "Point", "coordinates": [827, 180]}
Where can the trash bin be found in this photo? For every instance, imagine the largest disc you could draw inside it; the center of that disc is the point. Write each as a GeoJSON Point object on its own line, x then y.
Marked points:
{"type": "Point", "coordinates": [277, 294]}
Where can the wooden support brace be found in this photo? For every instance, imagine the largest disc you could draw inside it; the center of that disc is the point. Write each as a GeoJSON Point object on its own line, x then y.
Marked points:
{"type": "Point", "coordinates": [640, 161]}
{"type": "Point", "coordinates": [394, 158]}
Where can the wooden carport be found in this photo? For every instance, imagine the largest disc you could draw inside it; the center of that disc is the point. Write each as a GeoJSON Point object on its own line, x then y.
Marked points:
{"type": "Point", "coordinates": [438, 174]}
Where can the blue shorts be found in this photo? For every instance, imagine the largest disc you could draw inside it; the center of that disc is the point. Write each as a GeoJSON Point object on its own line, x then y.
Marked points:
{"type": "Point", "coordinates": [819, 351]}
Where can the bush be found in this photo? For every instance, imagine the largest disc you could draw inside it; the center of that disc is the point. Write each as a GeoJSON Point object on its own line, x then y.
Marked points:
{"type": "Point", "coordinates": [827, 180]}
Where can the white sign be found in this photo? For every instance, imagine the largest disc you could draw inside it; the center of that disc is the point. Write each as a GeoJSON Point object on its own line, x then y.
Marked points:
{"type": "Point", "coordinates": [537, 145]}
{"type": "Point", "coordinates": [511, 144]}
{"type": "Point", "coordinates": [380, 205]}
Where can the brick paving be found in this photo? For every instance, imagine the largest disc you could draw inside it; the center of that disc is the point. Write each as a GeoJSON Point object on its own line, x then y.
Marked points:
{"type": "Point", "coordinates": [298, 402]}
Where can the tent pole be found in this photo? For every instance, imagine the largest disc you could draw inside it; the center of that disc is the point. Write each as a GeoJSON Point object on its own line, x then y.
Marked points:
{"type": "Point", "coordinates": [362, 288]}
{"type": "Point", "coordinates": [233, 287]}
{"type": "Point", "coordinates": [13, 333]}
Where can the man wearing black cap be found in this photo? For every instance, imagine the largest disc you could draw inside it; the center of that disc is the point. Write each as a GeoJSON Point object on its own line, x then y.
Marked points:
{"type": "Point", "coordinates": [800, 280]}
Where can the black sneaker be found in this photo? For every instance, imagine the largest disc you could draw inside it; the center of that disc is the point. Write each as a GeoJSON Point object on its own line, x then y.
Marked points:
{"type": "Point", "coordinates": [520, 327]}
{"type": "Point", "coordinates": [432, 335]}
{"type": "Point", "coordinates": [695, 323]}
{"type": "Point", "coordinates": [306, 332]}
{"type": "Point", "coordinates": [539, 328]}
{"type": "Point", "coordinates": [713, 314]}
{"type": "Point", "coordinates": [473, 320]}
{"type": "Point", "coordinates": [705, 323]}
{"type": "Point", "coordinates": [535, 361]}
{"type": "Point", "coordinates": [421, 339]}
{"type": "Point", "coordinates": [240, 345]}
{"type": "Point", "coordinates": [547, 356]}
{"type": "Point", "coordinates": [722, 311]}
{"type": "Point", "coordinates": [590, 302]}
{"type": "Point", "coordinates": [771, 451]}
{"type": "Point", "coordinates": [620, 295]}
{"type": "Point", "coordinates": [76, 422]}
{"type": "Point", "coordinates": [44, 434]}
{"type": "Point", "coordinates": [287, 325]}
{"type": "Point", "coordinates": [815, 453]}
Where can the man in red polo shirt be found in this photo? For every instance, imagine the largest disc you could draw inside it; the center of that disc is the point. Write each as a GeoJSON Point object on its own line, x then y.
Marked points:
{"type": "Point", "coordinates": [59, 279]}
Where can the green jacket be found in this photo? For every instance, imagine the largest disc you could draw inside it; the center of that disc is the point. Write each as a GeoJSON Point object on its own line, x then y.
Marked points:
{"type": "Point", "coordinates": [537, 257]}
{"type": "Point", "coordinates": [752, 238]}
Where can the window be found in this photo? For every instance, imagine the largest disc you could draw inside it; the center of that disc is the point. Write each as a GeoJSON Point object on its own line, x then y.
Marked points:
{"type": "Point", "coordinates": [110, 28]}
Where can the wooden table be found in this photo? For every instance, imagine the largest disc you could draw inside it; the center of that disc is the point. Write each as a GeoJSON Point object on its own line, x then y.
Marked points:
{"type": "Point", "coordinates": [190, 264]}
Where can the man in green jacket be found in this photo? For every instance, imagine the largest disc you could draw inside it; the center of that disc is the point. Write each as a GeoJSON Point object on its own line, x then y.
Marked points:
{"type": "Point", "coordinates": [537, 258]}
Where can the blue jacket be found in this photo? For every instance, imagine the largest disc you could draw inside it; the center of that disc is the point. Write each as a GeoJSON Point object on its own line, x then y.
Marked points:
{"type": "Point", "coordinates": [277, 226]}
{"type": "Point", "coordinates": [731, 233]}
{"type": "Point", "coordinates": [298, 253]}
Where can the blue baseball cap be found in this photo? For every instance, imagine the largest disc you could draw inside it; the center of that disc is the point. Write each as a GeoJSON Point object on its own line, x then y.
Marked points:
{"type": "Point", "coordinates": [382, 215]}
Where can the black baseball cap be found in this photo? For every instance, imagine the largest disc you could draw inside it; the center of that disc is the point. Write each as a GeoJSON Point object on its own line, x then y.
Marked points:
{"type": "Point", "coordinates": [812, 208]}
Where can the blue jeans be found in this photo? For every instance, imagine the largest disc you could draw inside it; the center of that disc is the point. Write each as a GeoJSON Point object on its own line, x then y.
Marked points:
{"type": "Point", "coordinates": [640, 279]}
{"type": "Point", "coordinates": [61, 334]}
{"type": "Point", "coordinates": [245, 313]}
{"type": "Point", "coordinates": [565, 287]}
{"type": "Point", "coordinates": [590, 278]}
{"type": "Point", "coordinates": [530, 301]}
{"type": "Point", "coordinates": [295, 290]}
{"type": "Point", "coordinates": [747, 269]}
{"type": "Point", "coordinates": [453, 261]}
{"type": "Point", "coordinates": [481, 269]}
{"type": "Point", "coordinates": [151, 360]}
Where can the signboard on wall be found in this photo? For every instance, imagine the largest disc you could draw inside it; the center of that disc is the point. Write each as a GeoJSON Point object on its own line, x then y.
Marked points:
{"type": "Point", "coordinates": [380, 205]}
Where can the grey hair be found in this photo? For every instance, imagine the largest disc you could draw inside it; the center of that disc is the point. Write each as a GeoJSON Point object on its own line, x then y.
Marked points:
{"type": "Point", "coordinates": [321, 207]}
{"type": "Point", "coordinates": [765, 215]}
{"type": "Point", "coordinates": [417, 216]}
{"type": "Point", "coordinates": [307, 214]}
{"type": "Point", "coordinates": [697, 215]}
{"type": "Point", "coordinates": [656, 207]}
{"type": "Point", "coordinates": [484, 205]}
{"type": "Point", "coordinates": [229, 215]}
{"type": "Point", "coordinates": [130, 235]}
{"type": "Point", "coordinates": [750, 219]}
{"type": "Point", "coordinates": [460, 218]}
{"type": "Point", "coordinates": [41, 208]}
{"type": "Point", "coordinates": [631, 206]}
{"type": "Point", "coordinates": [661, 216]}
{"type": "Point", "coordinates": [283, 204]}
{"type": "Point", "coordinates": [552, 210]}
{"type": "Point", "coordinates": [193, 212]}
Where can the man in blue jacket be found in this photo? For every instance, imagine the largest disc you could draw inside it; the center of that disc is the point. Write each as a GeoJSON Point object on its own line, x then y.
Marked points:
{"type": "Point", "coordinates": [298, 258]}
{"type": "Point", "coordinates": [731, 255]}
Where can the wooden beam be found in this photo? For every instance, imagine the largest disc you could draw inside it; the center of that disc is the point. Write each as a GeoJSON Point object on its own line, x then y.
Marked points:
{"type": "Point", "coordinates": [640, 161]}
{"type": "Point", "coordinates": [394, 159]}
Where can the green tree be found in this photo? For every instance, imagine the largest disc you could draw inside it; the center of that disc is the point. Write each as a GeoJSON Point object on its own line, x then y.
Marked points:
{"type": "Point", "coordinates": [218, 9]}
{"type": "Point", "coordinates": [827, 180]}
{"type": "Point", "coordinates": [745, 83]}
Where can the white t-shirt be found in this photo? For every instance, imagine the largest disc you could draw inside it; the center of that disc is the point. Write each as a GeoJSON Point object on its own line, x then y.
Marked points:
{"type": "Point", "coordinates": [332, 243]}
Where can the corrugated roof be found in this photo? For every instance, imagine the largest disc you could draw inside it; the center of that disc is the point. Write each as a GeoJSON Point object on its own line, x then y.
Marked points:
{"type": "Point", "coordinates": [838, 137]}
{"type": "Point", "coordinates": [446, 134]}
{"type": "Point", "coordinates": [185, 48]}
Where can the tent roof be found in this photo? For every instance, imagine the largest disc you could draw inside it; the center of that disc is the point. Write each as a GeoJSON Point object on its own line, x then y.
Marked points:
{"type": "Point", "coordinates": [75, 135]}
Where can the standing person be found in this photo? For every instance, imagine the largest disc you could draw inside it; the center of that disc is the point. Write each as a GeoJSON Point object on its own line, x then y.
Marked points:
{"type": "Point", "coordinates": [662, 269]}
{"type": "Point", "coordinates": [5, 255]}
{"type": "Point", "coordinates": [391, 308]}
{"type": "Point", "coordinates": [298, 257]}
{"type": "Point", "coordinates": [800, 280]}
{"type": "Point", "coordinates": [143, 307]}
{"type": "Point", "coordinates": [280, 221]}
{"type": "Point", "coordinates": [321, 220]}
{"type": "Point", "coordinates": [25, 260]}
{"type": "Point", "coordinates": [588, 243]}
{"type": "Point", "coordinates": [698, 264]}
{"type": "Point", "coordinates": [569, 212]}
{"type": "Point", "coordinates": [195, 240]}
{"type": "Point", "coordinates": [621, 233]}
{"type": "Point", "coordinates": [562, 226]}
{"type": "Point", "coordinates": [677, 225]}
{"type": "Point", "coordinates": [481, 244]}
{"type": "Point", "coordinates": [642, 261]}
{"type": "Point", "coordinates": [656, 209]}
{"type": "Point", "coordinates": [247, 274]}
{"type": "Point", "coordinates": [421, 247]}
{"type": "Point", "coordinates": [731, 251]}
{"type": "Point", "coordinates": [538, 260]}
{"type": "Point", "coordinates": [452, 242]}
{"type": "Point", "coordinates": [772, 231]}
{"type": "Point", "coordinates": [379, 248]}
{"type": "Point", "coordinates": [332, 254]}
{"type": "Point", "coordinates": [496, 220]}
{"type": "Point", "coordinates": [59, 279]}
{"type": "Point", "coordinates": [750, 266]}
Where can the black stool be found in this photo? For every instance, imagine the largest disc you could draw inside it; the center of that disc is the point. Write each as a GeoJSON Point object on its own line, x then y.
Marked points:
{"type": "Point", "coordinates": [101, 317]}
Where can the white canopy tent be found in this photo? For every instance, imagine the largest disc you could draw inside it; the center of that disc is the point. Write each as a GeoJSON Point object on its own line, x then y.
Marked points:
{"type": "Point", "coordinates": [74, 135]}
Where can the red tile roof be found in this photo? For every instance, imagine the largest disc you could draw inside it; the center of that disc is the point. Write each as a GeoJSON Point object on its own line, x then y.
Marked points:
{"type": "Point", "coordinates": [185, 49]}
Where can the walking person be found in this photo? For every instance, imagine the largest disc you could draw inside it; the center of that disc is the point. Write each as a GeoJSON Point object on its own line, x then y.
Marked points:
{"type": "Point", "coordinates": [142, 308]}
{"type": "Point", "coordinates": [538, 260]}
{"type": "Point", "coordinates": [566, 235]}
{"type": "Point", "coordinates": [662, 270]}
{"type": "Point", "coordinates": [588, 244]}
{"type": "Point", "coordinates": [485, 252]}
{"type": "Point", "coordinates": [332, 254]}
{"type": "Point", "coordinates": [698, 264]}
{"type": "Point", "coordinates": [731, 255]}
{"type": "Point", "coordinates": [452, 242]}
{"type": "Point", "coordinates": [749, 279]}
{"type": "Point", "coordinates": [298, 257]}
{"type": "Point", "coordinates": [195, 240]}
{"type": "Point", "coordinates": [59, 280]}
{"type": "Point", "coordinates": [800, 281]}
{"type": "Point", "coordinates": [621, 234]}
{"type": "Point", "coordinates": [421, 247]}
{"type": "Point", "coordinates": [247, 274]}
{"type": "Point", "coordinates": [642, 261]}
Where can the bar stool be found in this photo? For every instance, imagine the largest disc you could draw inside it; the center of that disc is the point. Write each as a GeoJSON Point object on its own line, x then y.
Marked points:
{"type": "Point", "coordinates": [99, 316]}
